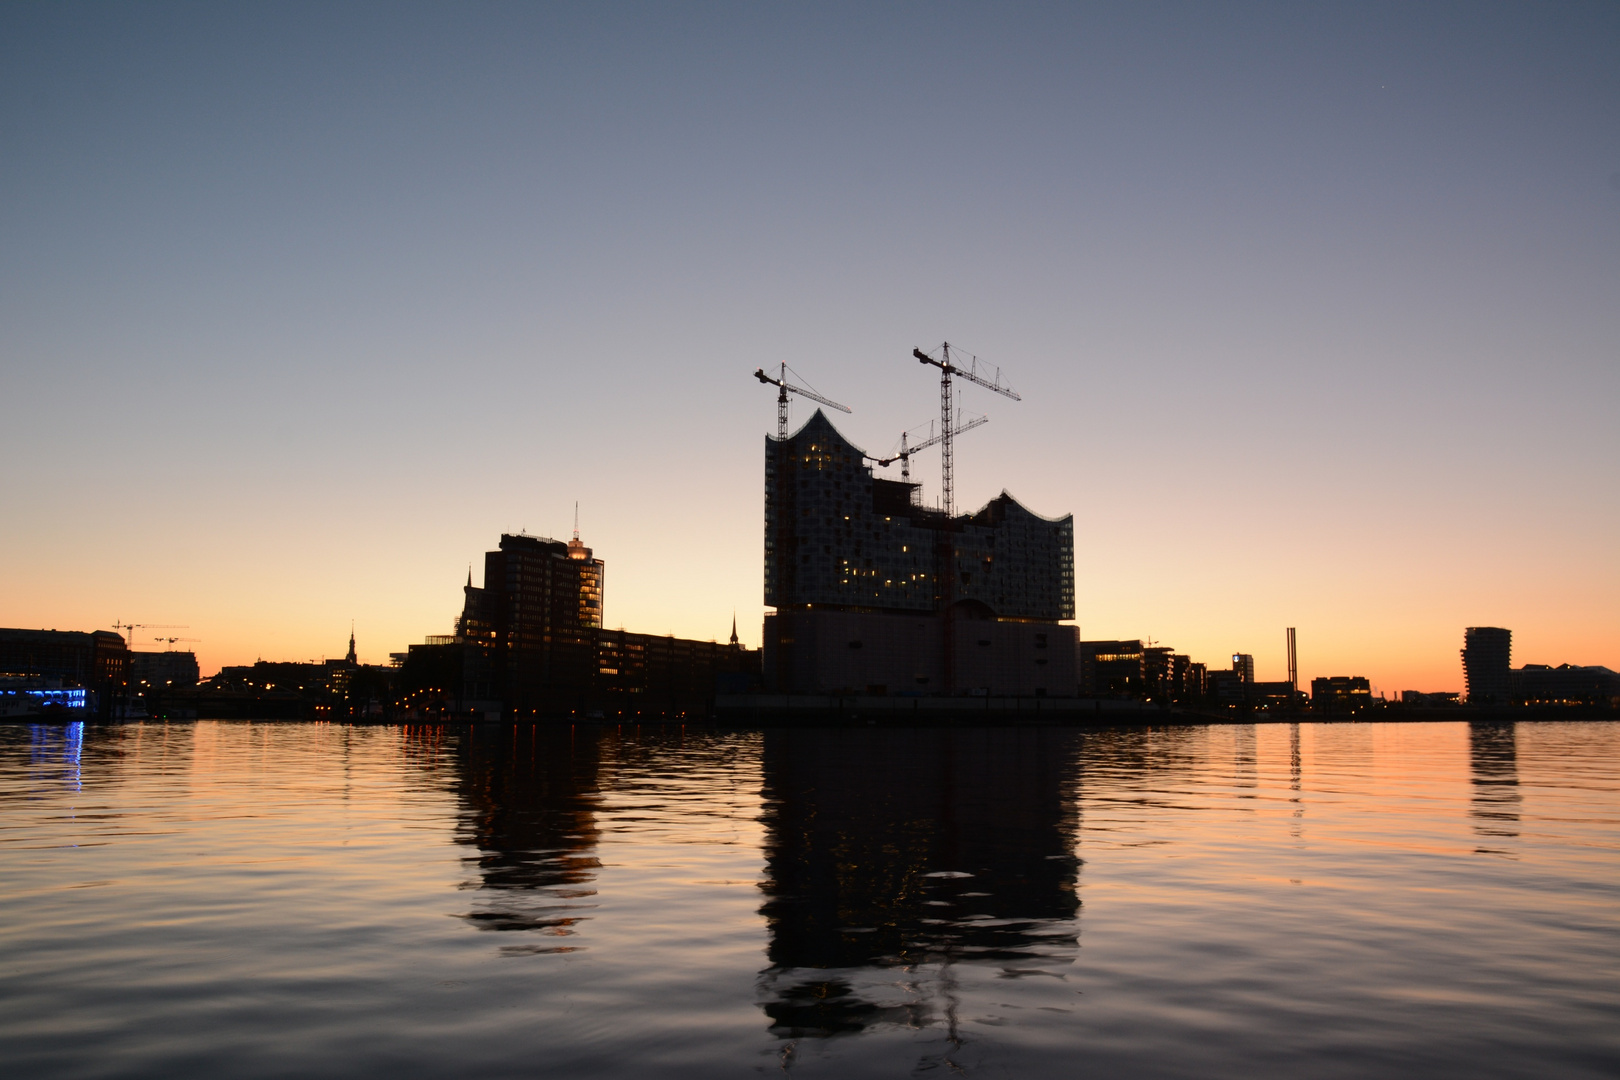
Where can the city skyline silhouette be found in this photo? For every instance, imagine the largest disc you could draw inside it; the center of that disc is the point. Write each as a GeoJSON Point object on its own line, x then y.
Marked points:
{"type": "Point", "coordinates": [1313, 312]}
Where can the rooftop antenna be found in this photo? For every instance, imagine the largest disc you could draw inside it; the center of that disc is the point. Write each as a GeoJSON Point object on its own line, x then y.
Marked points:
{"type": "Point", "coordinates": [783, 389]}
{"type": "Point", "coordinates": [990, 379]}
{"type": "Point", "coordinates": [576, 519]}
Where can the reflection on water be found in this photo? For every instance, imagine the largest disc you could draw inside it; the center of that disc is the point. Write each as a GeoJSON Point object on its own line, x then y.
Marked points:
{"type": "Point", "coordinates": [529, 798]}
{"type": "Point", "coordinates": [55, 751]}
{"type": "Point", "coordinates": [1243, 755]}
{"type": "Point", "coordinates": [1338, 900]}
{"type": "Point", "coordinates": [1493, 760]}
{"type": "Point", "coordinates": [911, 849]}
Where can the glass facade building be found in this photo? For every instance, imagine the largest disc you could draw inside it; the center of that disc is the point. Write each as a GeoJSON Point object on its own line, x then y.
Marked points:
{"type": "Point", "coordinates": [836, 536]}
{"type": "Point", "coordinates": [877, 594]}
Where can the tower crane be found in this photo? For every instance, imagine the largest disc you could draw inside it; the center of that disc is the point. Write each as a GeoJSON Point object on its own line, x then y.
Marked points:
{"type": "Point", "coordinates": [172, 640]}
{"type": "Point", "coordinates": [903, 455]}
{"type": "Point", "coordinates": [987, 376]}
{"type": "Point", "coordinates": [780, 569]}
{"type": "Point", "coordinates": [145, 626]}
{"type": "Point", "coordinates": [783, 389]}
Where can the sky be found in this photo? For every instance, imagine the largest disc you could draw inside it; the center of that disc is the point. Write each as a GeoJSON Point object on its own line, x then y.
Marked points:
{"type": "Point", "coordinates": [1314, 308]}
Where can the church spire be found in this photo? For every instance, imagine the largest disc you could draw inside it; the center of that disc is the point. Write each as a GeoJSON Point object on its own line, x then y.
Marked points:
{"type": "Point", "coordinates": [350, 658]}
{"type": "Point", "coordinates": [734, 629]}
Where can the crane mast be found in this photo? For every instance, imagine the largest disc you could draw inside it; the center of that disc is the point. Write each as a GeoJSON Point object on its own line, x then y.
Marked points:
{"type": "Point", "coordinates": [783, 389]}
{"type": "Point", "coordinates": [907, 448]}
{"type": "Point", "coordinates": [780, 569]}
{"type": "Point", "coordinates": [132, 627]}
{"type": "Point", "coordinates": [944, 545]}
{"type": "Point", "coordinates": [948, 367]}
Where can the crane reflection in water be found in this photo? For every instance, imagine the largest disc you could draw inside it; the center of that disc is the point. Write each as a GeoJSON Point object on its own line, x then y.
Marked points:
{"type": "Point", "coordinates": [893, 856]}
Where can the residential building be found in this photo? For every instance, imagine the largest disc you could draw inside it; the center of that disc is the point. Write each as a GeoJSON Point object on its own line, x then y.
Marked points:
{"type": "Point", "coordinates": [1487, 659]}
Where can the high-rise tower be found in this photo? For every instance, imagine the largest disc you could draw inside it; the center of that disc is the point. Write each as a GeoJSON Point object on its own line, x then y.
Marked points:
{"type": "Point", "coordinates": [1487, 656]}
{"type": "Point", "coordinates": [539, 600]}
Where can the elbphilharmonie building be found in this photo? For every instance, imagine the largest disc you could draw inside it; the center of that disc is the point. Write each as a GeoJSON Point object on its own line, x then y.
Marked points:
{"type": "Point", "coordinates": [875, 593]}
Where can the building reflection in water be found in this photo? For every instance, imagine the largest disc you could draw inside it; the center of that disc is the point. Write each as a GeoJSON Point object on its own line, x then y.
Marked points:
{"type": "Point", "coordinates": [57, 749]}
{"type": "Point", "coordinates": [907, 849]}
{"type": "Point", "coordinates": [1494, 763]}
{"type": "Point", "coordinates": [529, 799]}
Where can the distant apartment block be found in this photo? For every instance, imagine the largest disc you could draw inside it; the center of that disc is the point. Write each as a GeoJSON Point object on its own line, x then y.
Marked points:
{"type": "Point", "coordinates": [1487, 658]}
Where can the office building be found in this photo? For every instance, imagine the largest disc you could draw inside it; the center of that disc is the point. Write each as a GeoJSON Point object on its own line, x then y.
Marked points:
{"type": "Point", "coordinates": [1195, 683]}
{"type": "Point", "coordinates": [97, 662]}
{"type": "Point", "coordinates": [1487, 659]}
{"type": "Point", "coordinates": [1566, 684]}
{"type": "Point", "coordinates": [1340, 694]}
{"type": "Point", "coordinates": [1112, 669]}
{"type": "Point", "coordinates": [875, 593]}
{"type": "Point", "coordinates": [530, 644]}
{"type": "Point", "coordinates": [1272, 695]}
{"type": "Point", "coordinates": [1227, 688]}
{"type": "Point", "coordinates": [539, 601]}
{"type": "Point", "coordinates": [1158, 672]}
{"type": "Point", "coordinates": [155, 670]}
{"type": "Point", "coordinates": [153, 675]}
{"type": "Point", "coordinates": [1428, 700]}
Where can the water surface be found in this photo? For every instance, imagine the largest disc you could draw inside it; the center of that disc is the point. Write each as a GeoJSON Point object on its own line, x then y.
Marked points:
{"type": "Point", "coordinates": [214, 899]}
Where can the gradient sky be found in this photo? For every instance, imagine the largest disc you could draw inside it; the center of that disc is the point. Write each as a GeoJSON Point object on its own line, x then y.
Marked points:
{"type": "Point", "coordinates": [1315, 309]}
